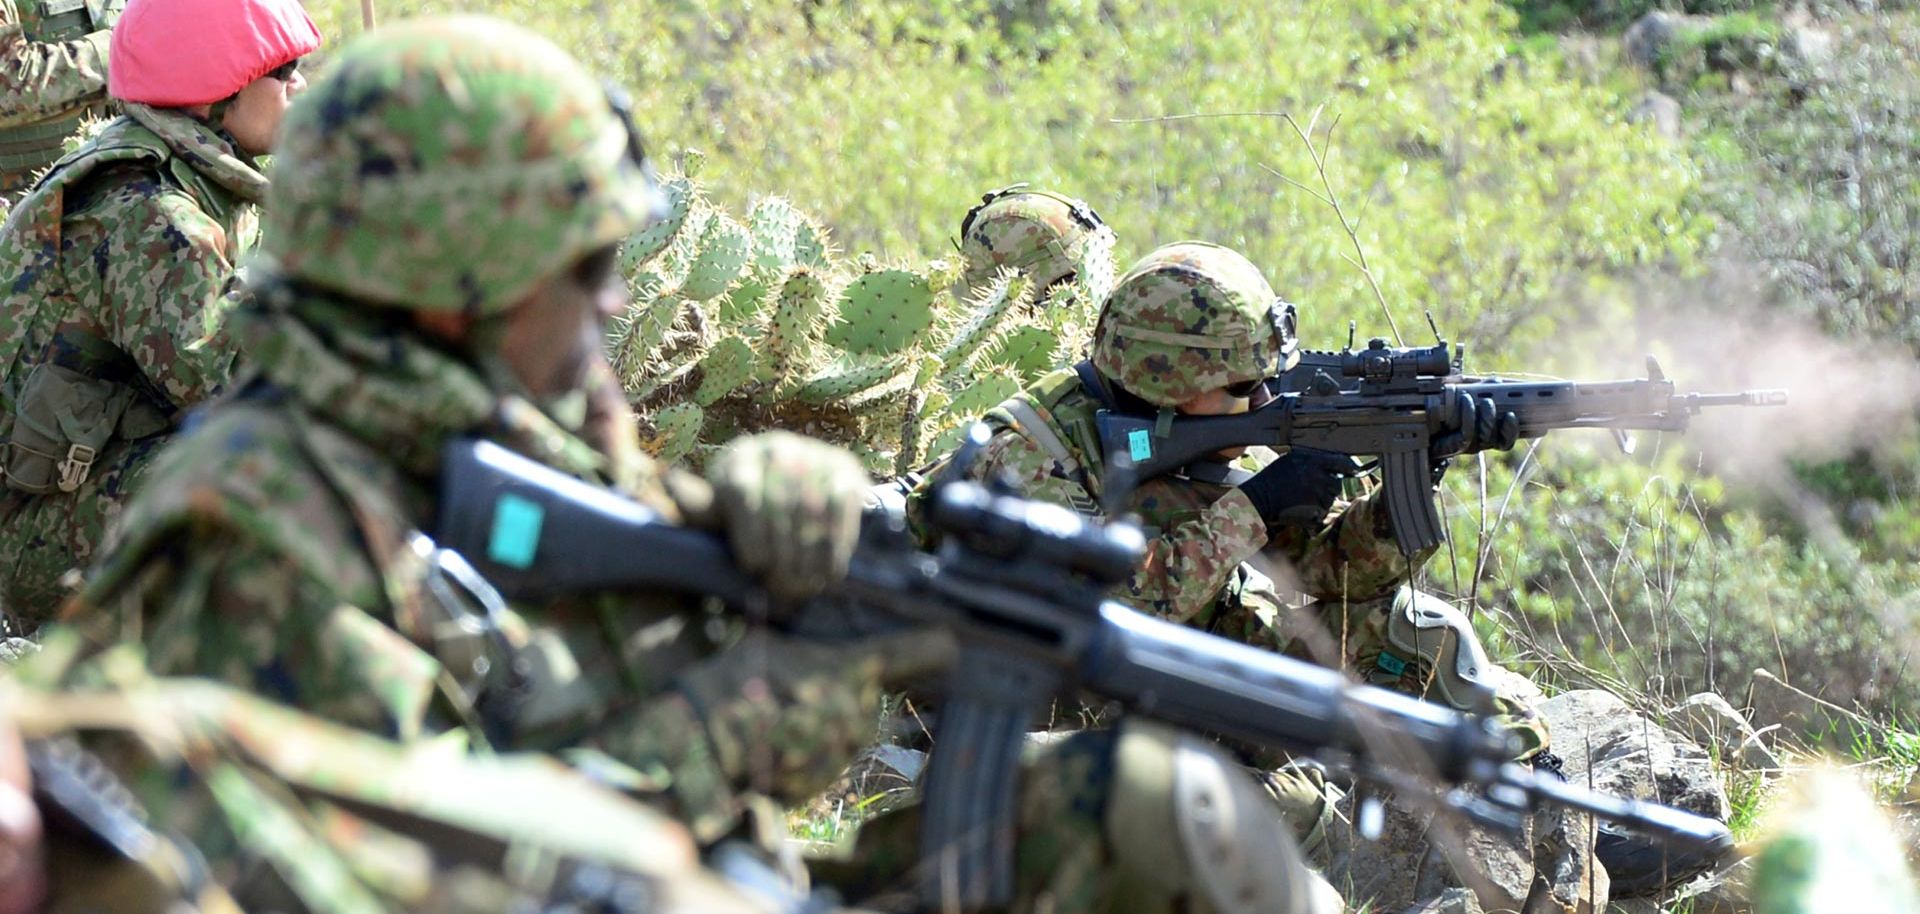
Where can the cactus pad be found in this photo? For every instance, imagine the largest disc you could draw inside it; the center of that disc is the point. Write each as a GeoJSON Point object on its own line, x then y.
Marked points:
{"type": "Point", "coordinates": [1029, 351]}
{"type": "Point", "coordinates": [811, 245]}
{"type": "Point", "coordinates": [967, 406]}
{"type": "Point", "coordinates": [847, 377]}
{"type": "Point", "coordinates": [775, 225]}
{"type": "Point", "coordinates": [644, 244]}
{"type": "Point", "coordinates": [984, 315]}
{"type": "Point", "coordinates": [676, 430]}
{"type": "Point", "coordinates": [793, 328]}
{"type": "Point", "coordinates": [721, 253]}
{"type": "Point", "coordinates": [883, 312]}
{"type": "Point", "coordinates": [726, 366]}
{"type": "Point", "coordinates": [748, 297]}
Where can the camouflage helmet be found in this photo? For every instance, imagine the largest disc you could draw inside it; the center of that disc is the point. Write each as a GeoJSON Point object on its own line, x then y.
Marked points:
{"type": "Point", "coordinates": [451, 165]}
{"type": "Point", "coordinates": [1048, 236]}
{"type": "Point", "coordinates": [1192, 317]}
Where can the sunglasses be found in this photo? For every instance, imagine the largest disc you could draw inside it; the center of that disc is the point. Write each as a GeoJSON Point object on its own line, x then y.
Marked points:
{"type": "Point", "coordinates": [285, 71]}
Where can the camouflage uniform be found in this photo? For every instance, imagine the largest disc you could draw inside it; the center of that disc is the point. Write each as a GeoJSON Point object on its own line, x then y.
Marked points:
{"type": "Point", "coordinates": [112, 329]}
{"type": "Point", "coordinates": [53, 73]}
{"type": "Point", "coordinates": [1051, 238]}
{"type": "Point", "coordinates": [278, 545]}
{"type": "Point", "coordinates": [231, 803]}
{"type": "Point", "coordinates": [1188, 319]}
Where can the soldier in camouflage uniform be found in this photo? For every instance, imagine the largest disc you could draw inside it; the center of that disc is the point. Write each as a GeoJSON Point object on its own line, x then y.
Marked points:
{"type": "Point", "coordinates": [188, 796]}
{"type": "Point", "coordinates": [1051, 238]}
{"type": "Point", "coordinates": [1194, 328]}
{"type": "Point", "coordinates": [438, 261]}
{"type": "Point", "coordinates": [111, 327]}
{"type": "Point", "coordinates": [53, 74]}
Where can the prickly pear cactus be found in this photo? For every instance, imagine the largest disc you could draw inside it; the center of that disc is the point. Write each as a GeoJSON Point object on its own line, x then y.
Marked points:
{"type": "Point", "coordinates": [746, 324]}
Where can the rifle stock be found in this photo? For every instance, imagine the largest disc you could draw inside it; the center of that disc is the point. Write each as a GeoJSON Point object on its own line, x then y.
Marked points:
{"type": "Point", "coordinates": [1020, 585]}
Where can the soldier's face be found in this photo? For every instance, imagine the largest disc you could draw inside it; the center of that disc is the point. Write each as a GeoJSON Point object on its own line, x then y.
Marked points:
{"type": "Point", "coordinates": [254, 117]}
{"type": "Point", "coordinates": [556, 337]}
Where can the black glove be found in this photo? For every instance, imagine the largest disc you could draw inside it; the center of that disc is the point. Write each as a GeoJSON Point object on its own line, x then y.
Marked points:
{"type": "Point", "coordinates": [1477, 425]}
{"type": "Point", "coordinates": [1299, 488]}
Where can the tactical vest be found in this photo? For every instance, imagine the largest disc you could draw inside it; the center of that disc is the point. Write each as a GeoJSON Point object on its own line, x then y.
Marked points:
{"type": "Point", "coordinates": [31, 147]}
{"type": "Point", "coordinates": [59, 417]}
{"type": "Point", "coordinates": [1058, 414]}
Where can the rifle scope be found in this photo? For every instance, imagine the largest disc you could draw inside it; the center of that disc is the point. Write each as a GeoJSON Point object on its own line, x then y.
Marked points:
{"type": "Point", "coordinates": [1005, 527]}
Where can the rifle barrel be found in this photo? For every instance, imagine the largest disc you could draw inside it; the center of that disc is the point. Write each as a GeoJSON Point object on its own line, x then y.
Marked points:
{"type": "Point", "coordinates": [1697, 402]}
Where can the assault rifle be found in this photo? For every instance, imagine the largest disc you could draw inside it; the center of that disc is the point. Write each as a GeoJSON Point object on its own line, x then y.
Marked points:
{"type": "Point", "coordinates": [1020, 585]}
{"type": "Point", "coordinates": [1392, 405]}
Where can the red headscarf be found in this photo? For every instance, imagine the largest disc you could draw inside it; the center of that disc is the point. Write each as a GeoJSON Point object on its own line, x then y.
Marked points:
{"type": "Point", "coordinates": [176, 53]}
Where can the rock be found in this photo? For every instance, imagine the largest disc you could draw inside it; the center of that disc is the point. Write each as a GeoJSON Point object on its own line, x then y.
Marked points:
{"type": "Point", "coordinates": [1807, 46]}
{"type": "Point", "coordinates": [905, 762]}
{"type": "Point", "coordinates": [1651, 35]}
{"type": "Point", "coordinates": [1637, 906]}
{"type": "Point", "coordinates": [1451, 901]}
{"type": "Point", "coordinates": [1547, 870]}
{"type": "Point", "coordinates": [1608, 746]}
{"type": "Point", "coordinates": [1659, 109]}
{"type": "Point", "coordinates": [1582, 55]}
{"type": "Point", "coordinates": [1401, 867]}
{"type": "Point", "coordinates": [1566, 878]}
{"type": "Point", "coordinates": [1724, 892]}
{"type": "Point", "coordinates": [1708, 719]}
{"type": "Point", "coordinates": [14, 650]}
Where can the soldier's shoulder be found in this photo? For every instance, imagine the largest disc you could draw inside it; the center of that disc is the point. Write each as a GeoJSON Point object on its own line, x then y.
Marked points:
{"type": "Point", "coordinates": [243, 470]}
{"type": "Point", "coordinates": [131, 196]}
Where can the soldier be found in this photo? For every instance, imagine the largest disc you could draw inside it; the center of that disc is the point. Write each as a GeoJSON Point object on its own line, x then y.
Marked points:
{"type": "Point", "coordinates": [53, 74]}
{"type": "Point", "coordinates": [438, 261]}
{"type": "Point", "coordinates": [122, 253]}
{"type": "Point", "coordinates": [1051, 238]}
{"type": "Point", "coordinates": [1194, 328]}
{"type": "Point", "coordinates": [140, 794]}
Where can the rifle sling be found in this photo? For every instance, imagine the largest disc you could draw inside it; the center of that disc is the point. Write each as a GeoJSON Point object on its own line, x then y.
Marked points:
{"type": "Point", "coordinates": [1039, 432]}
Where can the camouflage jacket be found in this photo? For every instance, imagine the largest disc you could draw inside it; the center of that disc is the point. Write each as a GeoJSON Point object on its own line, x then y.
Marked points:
{"type": "Point", "coordinates": [51, 74]}
{"type": "Point", "coordinates": [121, 257]}
{"type": "Point", "coordinates": [230, 803]}
{"type": "Point", "coordinates": [277, 547]}
{"type": "Point", "coordinates": [1199, 535]}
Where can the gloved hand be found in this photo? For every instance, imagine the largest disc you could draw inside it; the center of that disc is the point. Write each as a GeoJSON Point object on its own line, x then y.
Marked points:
{"type": "Point", "coordinates": [1299, 488]}
{"type": "Point", "coordinates": [791, 508]}
{"type": "Point", "coordinates": [1476, 425]}
{"type": "Point", "coordinates": [787, 714]}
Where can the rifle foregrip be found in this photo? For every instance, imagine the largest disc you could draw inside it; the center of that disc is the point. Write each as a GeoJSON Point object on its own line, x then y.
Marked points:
{"type": "Point", "coordinates": [1412, 506]}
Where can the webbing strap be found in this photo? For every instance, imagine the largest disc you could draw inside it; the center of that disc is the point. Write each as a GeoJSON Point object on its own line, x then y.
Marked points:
{"type": "Point", "coordinates": [1036, 429]}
